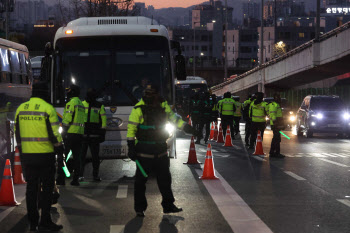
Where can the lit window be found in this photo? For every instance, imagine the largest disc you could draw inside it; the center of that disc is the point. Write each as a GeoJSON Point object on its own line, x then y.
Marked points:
{"type": "Point", "coordinates": [301, 34]}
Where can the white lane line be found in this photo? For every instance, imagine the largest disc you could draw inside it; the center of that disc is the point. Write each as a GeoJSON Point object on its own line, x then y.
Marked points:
{"type": "Point", "coordinates": [122, 191]}
{"type": "Point", "coordinates": [317, 155]}
{"type": "Point", "coordinates": [344, 201]}
{"type": "Point", "coordinates": [126, 167]}
{"type": "Point", "coordinates": [338, 155]}
{"type": "Point", "coordinates": [295, 176]}
{"type": "Point", "coordinates": [329, 155]}
{"type": "Point", "coordinates": [236, 212]}
{"type": "Point", "coordinates": [330, 161]}
{"type": "Point", "coordinates": [117, 229]}
{"type": "Point", "coordinates": [258, 158]}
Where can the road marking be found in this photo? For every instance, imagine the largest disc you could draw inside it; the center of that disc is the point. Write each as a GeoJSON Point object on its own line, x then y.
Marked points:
{"type": "Point", "coordinates": [258, 158]}
{"type": "Point", "coordinates": [117, 229]}
{"type": "Point", "coordinates": [330, 161]}
{"type": "Point", "coordinates": [329, 155]}
{"type": "Point", "coordinates": [295, 176]}
{"type": "Point", "coordinates": [344, 201]}
{"type": "Point", "coordinates": [122, 191]}
{"type": "Point", "coordinates": [240, 217]}
{"type": "Point", "coordinates": [126, 167]}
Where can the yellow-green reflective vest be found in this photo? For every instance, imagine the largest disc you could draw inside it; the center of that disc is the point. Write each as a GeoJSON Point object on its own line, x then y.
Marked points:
{"type": "Point", "coordinates": [258, 112]}
{"type": "Point", "coordinates": [97, 115]}
{"type": "Point", "coordinates": [238, 111]}
{"type": "Point", "coordinates": [227, 107]}
{"type": "Point", "coordinates": [275, 111]}
{"type": "Point", "coordinates": [74, 116]}
{"type": "Point", "coordinates": [33, 119]}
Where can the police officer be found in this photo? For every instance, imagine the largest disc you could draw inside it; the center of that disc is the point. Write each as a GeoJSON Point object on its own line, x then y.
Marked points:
{"type": "Point", "coordinates": [73, 130]}
{"type": "Point", "coordinates": [246, 107]}
{"type": "Point", "coordinates": [227, 109]}
{"type": "Point", "coordinates": [214, 111]}
{"type": "Point", "coordinates": [147, 125]}
{"type": "Point", "coordinates": [95, 131]}
{"type": "Point", "coordinates": [39, 140]}
{"type": "Point", "coordinates": [237, 114]}
{"type": "Point", "coordinates": [206, 116]}
{"type": "Point", "coordinates": [195, 109]}
{"type": "Point", "coordinates": [277, 124]}
{"type": "Point", "coordinates": [46, 63]}
{"type": "Point", "coordinates": [257, 112]}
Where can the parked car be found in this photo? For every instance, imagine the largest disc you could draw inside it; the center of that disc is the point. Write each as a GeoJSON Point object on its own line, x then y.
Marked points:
{"type": "Point", "coordinates": [322, 114]}
{"type": "Point", "coordinates": [288, 115]}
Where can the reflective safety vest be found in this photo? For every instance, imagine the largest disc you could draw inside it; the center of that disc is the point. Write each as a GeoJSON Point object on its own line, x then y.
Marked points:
{"type": "Point", "coordinates": [37, 127]}
{"type": "Point", "coordinates": [95, 119]}
{"type": "Point", "coordinates": [74, 116]}
{"type": "Point", "coordinates": [238, 112]}
{"type": "Point", "coordinates": [247, 103]}
{"type": "Point", "coordinates": [147, 127]}
{"type": "Point", "coordinates": [275, 112]}
{"type": "Point", "coordinates": [258, 112]}
{"type": "Point", "coordinates": [227, 107]}
{"type": "Point", "coordinates": [195, 107]}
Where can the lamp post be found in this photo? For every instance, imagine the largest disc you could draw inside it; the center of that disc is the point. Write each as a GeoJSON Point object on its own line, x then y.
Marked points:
{"type": "Point", "coordinates": [194, 48]}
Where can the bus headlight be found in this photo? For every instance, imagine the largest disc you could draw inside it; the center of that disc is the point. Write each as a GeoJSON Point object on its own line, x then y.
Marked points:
{"type": "Point", "coordinates": [292, 118]}
{"type": "Point", "coordinates": [346, 116]}
{"type": "Point", "coordinates": [169, 128]}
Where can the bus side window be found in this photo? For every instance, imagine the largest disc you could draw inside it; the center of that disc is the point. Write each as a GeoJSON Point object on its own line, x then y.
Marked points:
{"type": "Point", "coordinates": [24, 73]}
{"type": "Point", "coordinates": [15, 67]}
{"type": "Point", "coordinates": [5, 66]}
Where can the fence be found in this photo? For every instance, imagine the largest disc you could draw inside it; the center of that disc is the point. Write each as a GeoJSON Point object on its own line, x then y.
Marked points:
{"type": "Point", "coordinates": [295, 97]}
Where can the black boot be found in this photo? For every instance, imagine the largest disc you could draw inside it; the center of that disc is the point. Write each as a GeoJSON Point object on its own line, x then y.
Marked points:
{"type": "Point", "coordinates": [171, 209]}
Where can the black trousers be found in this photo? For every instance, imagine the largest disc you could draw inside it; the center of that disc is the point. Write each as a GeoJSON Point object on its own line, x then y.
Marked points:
{"type": "Point", "coordinates": [206, 124]}
{"type": "Point", "coordinates": [73, 142]}
{"type": "Point", "coordinates": [161, 168]}
{"type": "Point", "coordinates": [255, 127]}
{"type": "Point", "coordinates": [94, 149]}
{"type": "Point", "coordinates": [225, 121]}
{"type": "Point", "coordinates": [276, 140]}
{"type": "Point", "coordinates": [236, 127]}
{"type": "Point", "coordinates": [39, 177]}
{"type": "Point", "coordinates": [248, 131]}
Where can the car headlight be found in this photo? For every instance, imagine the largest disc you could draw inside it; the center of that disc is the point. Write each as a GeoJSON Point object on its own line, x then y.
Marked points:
{"type": "Point", "coordinates": [292, 118]}
{"type": "Point", "coordinates": [346, 116]}
{"type": "Point", "coordinates": [170, 128]}
{"type": "Point", "coordinates": [318, 116]}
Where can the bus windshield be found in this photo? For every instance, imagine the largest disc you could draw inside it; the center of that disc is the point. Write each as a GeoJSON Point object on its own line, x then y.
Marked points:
{"type": "Point", "coordinates": [101, 62]}
{"type": "Point", "coordinates": [188, 90]}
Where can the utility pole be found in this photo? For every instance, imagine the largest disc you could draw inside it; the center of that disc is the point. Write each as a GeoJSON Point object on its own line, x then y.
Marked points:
{"type": "Point", "coordinates": [317, 36]}
{"type": "Point", "coordinates": [7, 18]}
{"type": "Point", "coordinates": [262, 88]}
{"type": "Point", "coordinates": [226, 24]}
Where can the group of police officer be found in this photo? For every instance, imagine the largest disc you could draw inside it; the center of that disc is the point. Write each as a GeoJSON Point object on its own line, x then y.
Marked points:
{"type": "Point", "coordinates": [39, 142]}
{"type": "Point", "coordinates": [205, 110]}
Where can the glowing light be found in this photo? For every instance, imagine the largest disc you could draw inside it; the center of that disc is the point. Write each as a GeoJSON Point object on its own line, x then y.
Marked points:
{"type": "Point", "coordinates": [170, 128]}
{"type": "Point", "coordinates": [73, 80]}
{"type": "Point", "coordinates": [68, 32]}
{"type": "Point", "coordinates": [313, 123]}
{"type": "Point", "coordinates": [292, 118]}
{"type": "Point", "coordinates": [346, 116]}
{"type": "Point", "coordinates": [154, 30]}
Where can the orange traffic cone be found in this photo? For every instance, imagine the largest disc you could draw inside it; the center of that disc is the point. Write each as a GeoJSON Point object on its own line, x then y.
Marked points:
{"type": "Point", "coordinates": [189, 121]}
{"type": "Point", "coordinates": [192, 155]}
{"type": "Point", "coordinates": [220, 136]}
{"type": "Point", "coordinates": [212, 131]}
{"type": "Point", "coordinates": [7, 193]}
{"type": "Point", "coordinates": [228, 140]}
{"type": "Point", "coordinates": [208, 171]}
{"type": "Point", "coordinates": [215, 138]}
{"type": "Point", "coordinates": [259, 147]}
{"type": "Point", "coordinates": [18, 174]}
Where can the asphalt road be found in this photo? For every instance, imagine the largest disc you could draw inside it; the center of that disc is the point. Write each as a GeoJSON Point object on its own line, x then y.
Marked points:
{"type": "Point", "coordinates": [307, 191]}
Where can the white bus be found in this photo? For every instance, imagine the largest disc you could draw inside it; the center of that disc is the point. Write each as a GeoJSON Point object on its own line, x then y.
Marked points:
{"type": "Point", "coordinates": [117, 56]}
{"type": "Point", "coordinates": [15, 88]}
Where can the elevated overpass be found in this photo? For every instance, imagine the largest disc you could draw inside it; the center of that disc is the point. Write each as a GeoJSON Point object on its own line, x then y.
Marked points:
{"type": "Point", "coordinates": [308, 63]}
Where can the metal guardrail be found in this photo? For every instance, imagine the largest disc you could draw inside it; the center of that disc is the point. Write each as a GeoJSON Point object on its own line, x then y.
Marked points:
{"type": "Point", "coordinates": [286, 55]}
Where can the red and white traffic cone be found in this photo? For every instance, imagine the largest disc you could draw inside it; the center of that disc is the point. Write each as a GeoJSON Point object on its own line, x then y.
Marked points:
{"type": "Point", "coordinates": [259, 147]}
{"type": "Point", "coordinates": [228, 139]}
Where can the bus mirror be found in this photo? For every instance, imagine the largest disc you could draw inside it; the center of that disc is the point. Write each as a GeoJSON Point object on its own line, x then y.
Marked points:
{"type": "Point", "coordinates": [180, 67]}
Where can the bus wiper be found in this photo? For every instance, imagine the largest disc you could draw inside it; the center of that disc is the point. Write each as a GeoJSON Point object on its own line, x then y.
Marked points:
{"type": "Point", "coordinates": [126, 91]}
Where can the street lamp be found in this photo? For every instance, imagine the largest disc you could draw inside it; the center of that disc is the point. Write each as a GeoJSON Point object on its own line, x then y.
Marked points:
{"type": "Point", "coordinates": [194, 48]}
